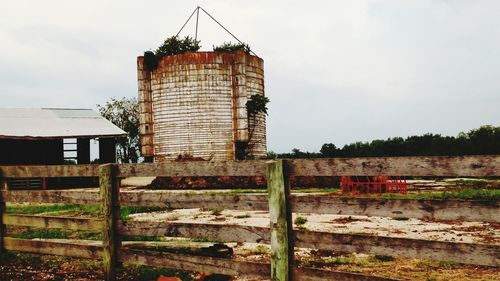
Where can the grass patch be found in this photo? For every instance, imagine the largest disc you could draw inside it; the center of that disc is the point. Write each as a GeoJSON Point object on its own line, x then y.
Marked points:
{"type": "Point", "coordinates": [76, 210]}
{"type": "Point", "coordinates": [349, 260]}
{"type": "Point", "coordinates": [477, 183]}
{"type": "Point", "coordinates": [43, 234]}
{"type": "Point", "coordinates": [301, 190]}
{"type": "Point", "coordinates": [216, 212]}
{"type": "Point", "coordinates": [316, 190]}
{"type": "Point", "coordinates": [40, 233]}
{"type": "Point", "coordinates": [126, 211]}
{"type": "Point", "coordinates": [151, 273]}
{"type": "Point", "coordinates": [427, 265]}
{"type": "Point", "coordinates": [87, 235]}
{"type": "Point", "coordinates": [243, 191]}
{"type": "Point", "coordinates": [206, 240]}
{"type": "Point", "coordinates": [300, 221]}
{"type": "Point", "coordinates": [173, 250]}
{"type": "Point", "coordinates": [259, 250]}
{"type": "Point", "coordinates": [247, 215]}
{"type": "Point", "coordinates": [31, 233]}
{"type": "Point", "coordinates": [485, 194]}
{"type": "Point", "coordinates": [142, 238]}
{"type": "Point", "coordinates": [53, 209]}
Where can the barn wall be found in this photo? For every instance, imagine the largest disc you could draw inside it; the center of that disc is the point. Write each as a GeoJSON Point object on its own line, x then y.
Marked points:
{"type": "Point", "coordinates": [26, 152]}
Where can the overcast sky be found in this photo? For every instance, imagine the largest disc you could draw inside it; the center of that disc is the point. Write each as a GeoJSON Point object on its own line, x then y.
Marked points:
{"type": "Point", "coordinates": [335, 71]}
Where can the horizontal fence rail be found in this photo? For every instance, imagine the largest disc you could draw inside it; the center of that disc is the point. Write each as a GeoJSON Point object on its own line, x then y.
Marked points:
{"type": "Point", "coordinates": [177, 261]}
{"type": "Point", "coordinates": [470, 166]}
{"type": "Point", "coordinates": [53, 248]}
{"type": "Point", "coordinates": [447, 166]}
{"type": "Point", "coordinates": [49, 171]}
{"type": "Point", "coordinates": [69, 223]}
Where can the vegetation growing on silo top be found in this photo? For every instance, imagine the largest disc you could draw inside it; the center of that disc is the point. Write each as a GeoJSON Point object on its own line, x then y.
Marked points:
{"type": "Point", "coordinates": [232, 47]}
{"type": "Point", "coordinates": [171, 46]}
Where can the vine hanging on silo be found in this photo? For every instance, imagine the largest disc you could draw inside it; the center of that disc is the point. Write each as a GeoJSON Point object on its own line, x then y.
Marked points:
{"type": "Point", "coordinates": [257, 104]}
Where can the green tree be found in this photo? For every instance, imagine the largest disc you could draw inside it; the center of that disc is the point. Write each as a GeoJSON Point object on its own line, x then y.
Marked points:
{"type": "Point", "coordinates": [329, 150]}
{"type": "Point", "coordinates": [124, 113]}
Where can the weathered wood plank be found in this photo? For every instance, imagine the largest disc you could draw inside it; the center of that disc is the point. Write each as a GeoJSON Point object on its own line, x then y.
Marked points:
{"type": "Point", "coordinates": [49, 171]}
{"type": "Point", "coordinates": [110, 210]}
{"type": "Point", "coordinates": [279, 222]}
{"type": "Point", "coordinates": [175, 200]}
{"type": "Point", "coordinates": [202, 168]}
{"type": "Point", "coordinates": [52, 196]}
{"type": "Point", "coordinates": [194, 263]}
{"type": "Point", "coordinates": [467, 253]}
{"type": "Point", "coordinates": [475, 166]}
{"type": "Point", "coordinates": [53, 222]}
{"type": "Point", "coordinates": [177, 261]}
{"type": "Point", "coordinates": [145, 198]}
{"type": "Point", "coordinates": [230, 267]}
{"type": "Point", "coordinates": [470, 166]}
{"type": "Point", "coordinates": [53, 248]}
{"type": "Point", "coordinates": [185, 262]}
{"type": "Point", "coordinates": [213, 232]}
{"type": "Point", "coordinates": [437, 209]}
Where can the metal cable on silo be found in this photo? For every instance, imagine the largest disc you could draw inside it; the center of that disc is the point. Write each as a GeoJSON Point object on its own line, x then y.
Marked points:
{"type": "Point", "coordinates": [224, 28]}
{"type": "Point", "coordinates": [197, 9]}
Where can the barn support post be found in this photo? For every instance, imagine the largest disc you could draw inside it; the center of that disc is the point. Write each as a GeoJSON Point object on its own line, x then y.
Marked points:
{"type": "Point", "coordinates": [110, 210]}
{"type": "Point", "coordinates": [83, 151]}
{"type": "Point", "coordinates": [2, 210]}
{"type": "Point", "coordinates": [281, 222]}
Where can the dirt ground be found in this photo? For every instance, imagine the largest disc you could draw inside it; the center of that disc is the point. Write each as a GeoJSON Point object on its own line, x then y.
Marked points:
{"type": "Point", "coordinates": [469, 232]}
{"type": "Point", "coordinates": [392, 267]}
{"type": "Point", "coordinates": [45, 268]}
{"type": "Point", "coordinates": [57, 268]}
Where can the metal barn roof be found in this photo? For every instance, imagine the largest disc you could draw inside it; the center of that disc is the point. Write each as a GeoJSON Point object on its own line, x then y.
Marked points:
{"type": "Point", "coordinates": [54, 123]}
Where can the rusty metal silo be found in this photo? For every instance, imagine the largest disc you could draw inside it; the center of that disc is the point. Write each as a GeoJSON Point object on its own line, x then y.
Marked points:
{"type": "Point", "coordinates": [194, 105]}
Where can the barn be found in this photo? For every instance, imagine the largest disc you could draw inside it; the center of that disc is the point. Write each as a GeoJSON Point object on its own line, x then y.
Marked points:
{"type": "Point", "coordinates": [37, 136]}
{"type": "Point", "coordinates": [55, 136]}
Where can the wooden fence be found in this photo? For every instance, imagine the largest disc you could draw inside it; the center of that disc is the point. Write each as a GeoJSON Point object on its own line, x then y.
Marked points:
{"type": "Point", "coordinates": [278, 202]}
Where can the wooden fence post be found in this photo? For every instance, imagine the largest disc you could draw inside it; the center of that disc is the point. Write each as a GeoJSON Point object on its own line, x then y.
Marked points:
{"type": "Point", "coordinates": [110, 210]}
{"type": "Point", "coordinates": [280, 218]}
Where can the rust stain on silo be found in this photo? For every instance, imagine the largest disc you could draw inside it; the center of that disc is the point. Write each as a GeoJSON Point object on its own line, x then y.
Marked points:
{"type": "Point", "coordinates": [194, 105]}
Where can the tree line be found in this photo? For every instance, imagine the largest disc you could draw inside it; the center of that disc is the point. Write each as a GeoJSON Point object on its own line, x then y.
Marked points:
{"type": "Point", "coordinates": [481, 141]}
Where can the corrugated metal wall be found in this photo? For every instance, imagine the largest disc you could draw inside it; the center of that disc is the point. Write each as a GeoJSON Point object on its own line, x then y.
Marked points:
{"type": "Point", "coordinates": [194, 105]}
